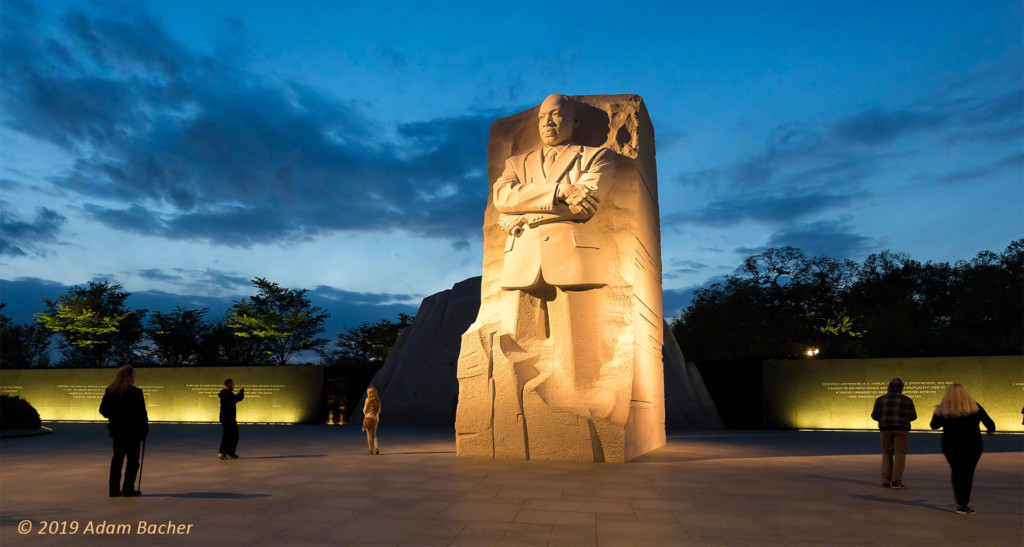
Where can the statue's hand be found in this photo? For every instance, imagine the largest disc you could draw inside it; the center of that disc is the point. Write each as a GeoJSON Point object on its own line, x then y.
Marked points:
{"type": "Point", "coordinates": [587, 206]}
{"type": "Point", "coordinates": [580, 197]}
{"type": "Point", "coordinates": [512, 224]}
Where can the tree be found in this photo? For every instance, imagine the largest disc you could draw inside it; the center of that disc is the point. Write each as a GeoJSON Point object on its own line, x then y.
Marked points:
{"type": "Point", "coordinates": [178, 337]}
{"type": "Point", "coordinates": [781, 302]}
{"type": "Point", "coordinates": [778, 304]}
{"type": "Point", "coordinates": [368, 344]}
{"type": "Point", "coordinates": [986, 313]}
{"type": "Point", "coordinates": [283, 320]}
{"type": "Point", "coordinates": [95, 327]}
{"type": "Point", "coordinates": [358, 354]}
{"type": "Point", "coordinates": [22, 346]}
{"type": "Point", "coordinates": [222, 347]}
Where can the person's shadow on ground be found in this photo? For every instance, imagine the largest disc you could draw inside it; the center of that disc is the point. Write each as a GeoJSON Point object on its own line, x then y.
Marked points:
{"type": "Point", "coordinates": [854, 481]}
{"type": "Point", "coordinates": [916, 503]}
{"type": "Point", "coordinates": [414, 452]}
{"type": "Point", "coordinates": [208, 495]}
{"type": "Point", "coordinates": [282, 457]}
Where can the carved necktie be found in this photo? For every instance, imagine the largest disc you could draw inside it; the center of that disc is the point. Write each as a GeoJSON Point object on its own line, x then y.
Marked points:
{"type": "Point", "coordinates": [549, 160]}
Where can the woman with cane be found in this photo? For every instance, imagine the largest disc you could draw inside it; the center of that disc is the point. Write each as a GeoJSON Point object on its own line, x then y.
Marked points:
{"type": "Point", "coordinates": [125, 407]}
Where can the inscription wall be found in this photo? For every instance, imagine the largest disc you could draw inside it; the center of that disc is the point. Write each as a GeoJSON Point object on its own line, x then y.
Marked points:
{"type": "Point", "coordinates": [840, 393]}
{"type": "Point", "coordinates": [289, 394]}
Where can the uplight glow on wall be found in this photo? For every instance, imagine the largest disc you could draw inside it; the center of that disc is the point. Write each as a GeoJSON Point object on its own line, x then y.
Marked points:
{"type": "Point", "coordinates": [288, 394]}
{"type": "Point", "coordinates": [839, 393]}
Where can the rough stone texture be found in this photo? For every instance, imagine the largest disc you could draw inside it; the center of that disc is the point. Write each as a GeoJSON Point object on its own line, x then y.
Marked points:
{"type": "Point", "coordinates": [571, 369]}
{"type": "Point", "coordinates": [418, 384]}
{"type": "Point", "coordinates": [688, 405]}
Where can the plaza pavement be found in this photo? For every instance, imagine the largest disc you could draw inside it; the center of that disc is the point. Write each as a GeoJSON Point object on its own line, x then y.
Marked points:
{"type": "Point", "coordinates": [315, 485]}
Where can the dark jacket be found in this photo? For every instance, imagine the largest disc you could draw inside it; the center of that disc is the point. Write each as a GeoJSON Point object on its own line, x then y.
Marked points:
{"type": "Point", "coordinates": [963, 430]}
{"type": "Point", "coordinates": [126, 414]}
{"type": "Point", "coordinates": [228, 399]}
{"type": "Point", "coordinates": [894, 410]}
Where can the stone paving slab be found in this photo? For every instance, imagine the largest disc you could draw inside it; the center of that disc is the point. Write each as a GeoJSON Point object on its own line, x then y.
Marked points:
{"type": "Point", "coordinates": [315, 485]}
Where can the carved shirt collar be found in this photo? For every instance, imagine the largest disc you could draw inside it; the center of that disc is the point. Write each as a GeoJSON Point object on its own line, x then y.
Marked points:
{"type": "Point", "coordinates": [557, 149]}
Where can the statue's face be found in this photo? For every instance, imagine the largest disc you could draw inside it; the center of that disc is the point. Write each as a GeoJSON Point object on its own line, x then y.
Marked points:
{"type": "Point", "coordinates": [557, 120]}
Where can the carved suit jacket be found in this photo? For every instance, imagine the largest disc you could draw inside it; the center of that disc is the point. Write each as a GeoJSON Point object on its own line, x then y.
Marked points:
{"type": "Point", "coordinates": [561, 247]}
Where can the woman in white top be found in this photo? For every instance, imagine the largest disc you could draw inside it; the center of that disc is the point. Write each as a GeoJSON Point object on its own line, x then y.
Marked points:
{"type": "Point", "coordinates": [371, 417]}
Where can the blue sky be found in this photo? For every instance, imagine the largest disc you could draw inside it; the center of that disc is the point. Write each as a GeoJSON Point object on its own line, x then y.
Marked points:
{"type": "Point", "coordinates": [183, 148]}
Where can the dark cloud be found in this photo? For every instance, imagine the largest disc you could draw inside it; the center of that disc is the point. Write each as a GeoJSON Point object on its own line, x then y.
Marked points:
{"type": "Point", "coordinates": [675, 269]}
{"type": "Point", "coordinates": [878, 126]}
{"type": "Point", "coordinates": [208, 281]}
{"type": "Point", "coordinates": [703, 177]}
{"type": "Point", "coordinates": [966, 117]}
{"type": "Point", "coordinates": [24, 296]}
{"type": "Point", "coordinates": [675, 300]}
{"type": "Point", "coordinates": [101, 277]}
{"type": "Point", "coordinates": [332, 294]}
{"type": "Point", "coordinates": [10, 185]}
{"type": "Point", "coordinates": [999, 109]}
{"type": "Point", "coordinates": [794, 140]}
{"type": "Point", "coordinates": [196, 148]}
{"type": "Point", "coordinates": [1013, 162]}
{"type": "Point", "coordinates": [1004, 134]}
{"type": "Point", "coordinates": [996, 120]}
{"type": "Point", "coordinates": [389, 54]}
{"type": "Point", "coordinates": [668, 139]}
{"type": "Point", "coordinates": [769, 209]}
{"type": "Point", "coordinates": [28, 237]}
{"type": "Point", "coordinates": [821, 238]}
{"type": "Point", "coordinates": [158, 275]}
{"type": "Point", "coordinates": [806, 169]}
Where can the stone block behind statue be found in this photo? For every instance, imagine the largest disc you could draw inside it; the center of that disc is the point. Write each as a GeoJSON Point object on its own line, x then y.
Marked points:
{"type": "Point", "coordinates": [564, 360]}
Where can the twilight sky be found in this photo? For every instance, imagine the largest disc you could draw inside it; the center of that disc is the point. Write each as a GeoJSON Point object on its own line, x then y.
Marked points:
{"type": "Point", "coordinates": [182, 148]}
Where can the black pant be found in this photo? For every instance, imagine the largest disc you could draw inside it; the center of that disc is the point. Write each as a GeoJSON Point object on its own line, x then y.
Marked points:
{"type": "Point", "coordinates": [229, 438]}
{"type": "Point", "coordinates": [962, 462]}
{"type": "Point", "coordinates": [124, 447]}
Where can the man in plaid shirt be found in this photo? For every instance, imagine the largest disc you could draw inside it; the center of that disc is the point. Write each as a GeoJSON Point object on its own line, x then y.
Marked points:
{"type": "Point", "coordinates": [894, 411]}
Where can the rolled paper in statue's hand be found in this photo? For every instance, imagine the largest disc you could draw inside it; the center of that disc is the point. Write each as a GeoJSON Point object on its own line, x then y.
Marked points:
{"type": "Point", "coordinates": [512, 224]}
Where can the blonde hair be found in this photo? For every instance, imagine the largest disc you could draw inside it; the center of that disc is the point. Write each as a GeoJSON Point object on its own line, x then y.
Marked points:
{"type": "Point", "coordinates": [956, 403]}
{"type": "Point", "coordinates": [373, 399]}
{"type": "Point", "coordinates": [124, 379]}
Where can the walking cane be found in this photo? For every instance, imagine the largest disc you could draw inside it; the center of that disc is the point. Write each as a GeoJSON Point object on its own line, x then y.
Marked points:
{"type": "Point", "coordinates": [142, 461]}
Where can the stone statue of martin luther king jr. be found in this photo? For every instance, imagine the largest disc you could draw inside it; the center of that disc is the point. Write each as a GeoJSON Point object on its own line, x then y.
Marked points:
{"type": "Point", "coordinates": [559, 340]}
{"type": "Point", "coordinates": [546, 197]}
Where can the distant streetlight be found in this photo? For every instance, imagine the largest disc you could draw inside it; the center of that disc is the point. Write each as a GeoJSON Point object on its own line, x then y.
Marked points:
{"type": "Point", "coordinates": [812, 352]}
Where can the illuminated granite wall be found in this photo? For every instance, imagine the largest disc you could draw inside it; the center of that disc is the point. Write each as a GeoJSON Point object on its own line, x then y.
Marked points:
{"type": "Point", "coordinates": [289, 394]}
{"type": "Point", "coordinates": [839, 393]}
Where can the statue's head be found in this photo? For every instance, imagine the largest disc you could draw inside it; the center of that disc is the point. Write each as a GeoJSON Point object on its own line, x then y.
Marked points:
{"type": "Point", "coordinates": [557, 120]}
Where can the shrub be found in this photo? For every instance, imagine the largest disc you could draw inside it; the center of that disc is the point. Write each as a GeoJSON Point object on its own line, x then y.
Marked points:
{"type": "Point", "coordinates": [17, 413]}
